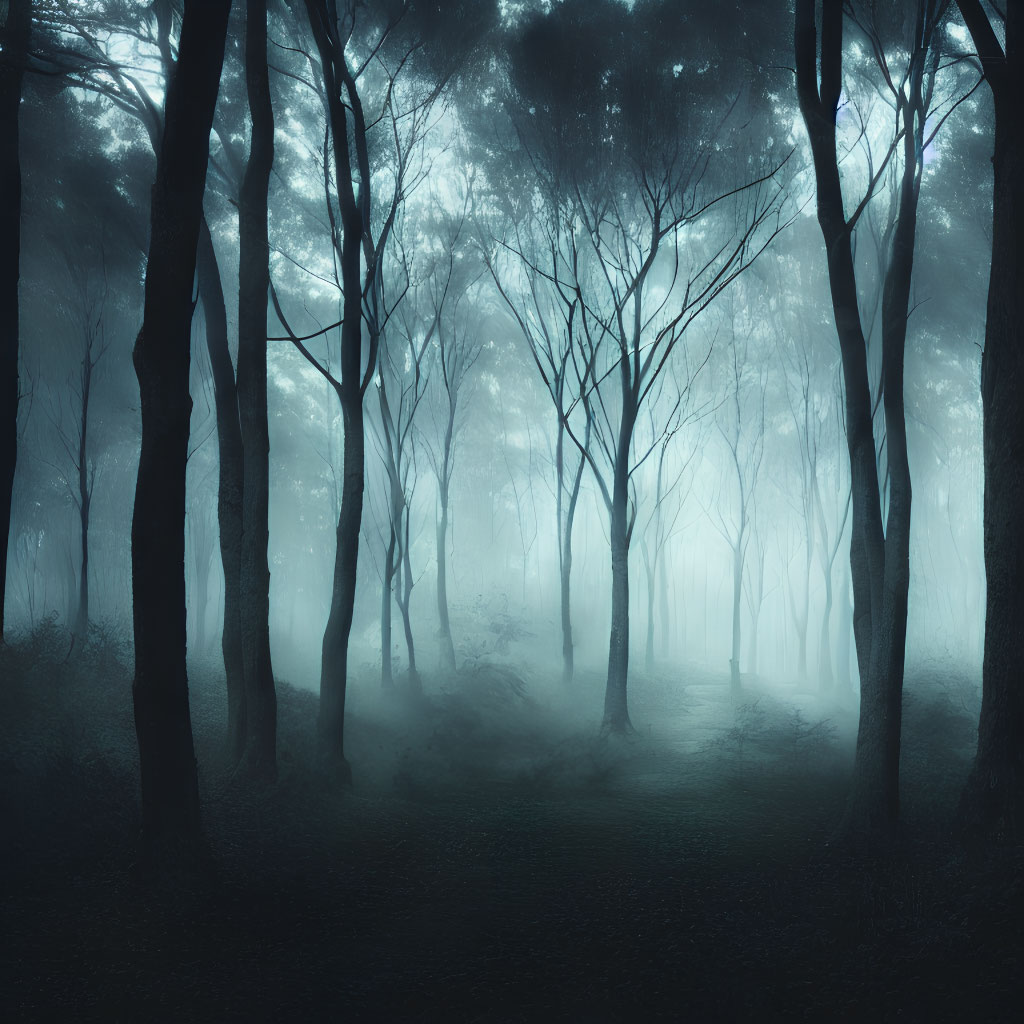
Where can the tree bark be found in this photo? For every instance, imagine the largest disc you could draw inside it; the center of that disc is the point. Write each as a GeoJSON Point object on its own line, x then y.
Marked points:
{"type": "Point", "coordinates": [879, 558]}
{"type": "Point", "coordinates": [404, 599]}
{"type": "Point", "coordinates": [260, 755]}
{"type": "Point", "coordinates": [616, 713]}
{"type": "Point", "coordinates": [992, 804]}
{"type": "Point", "coordinates": [170, 792]}
{"type": "Point", "coordinates": [229, 484]}
{"type": "Point", "coordinates": [737, 594]}
{"type": "Point", "coordinates": [84, 495]}
{"type": "Point", "coordinates": [565, 568]}
{"type": "Point", "coordinates": [14, 35]}
{"type": "Point", "coordinates": [443, 486]}
{"type": "Point", "coordinates": [387, 678]}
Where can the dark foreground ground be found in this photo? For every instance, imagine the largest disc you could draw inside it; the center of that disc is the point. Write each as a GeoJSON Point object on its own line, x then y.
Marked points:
{"type": "Point", "coordinates": [492, 864]}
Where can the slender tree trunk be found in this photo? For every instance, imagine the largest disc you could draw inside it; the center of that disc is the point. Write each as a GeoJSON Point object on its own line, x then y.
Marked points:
{"type": "Point", "coordinates": [826, 680]}
{"type": "Point", "coordinates": [650, 569]}
{"type": "Point", "coordinates": [565, 570]}
{"type": "Point", "coordinates": [879, 561]}
{"type": "Point", "coordinates": [229, 484]}
{"type": "Point", "coordinates": [444, 622]}
{"type": "Point", "coordinates": [663, 617]}
{"type": "Point", "coordinates": [805, 614]}
{"type": "Point", "coordinates": [260, 755]}
{"type": "Point", "coordinates": [14, 35]}
{"type": "Point", "coordinates": [334, 655]}
{"type": "Point", "coordinates": [170, 792]}
{"type": "Point", "coordinates": [387, 679]}
{"type": "Point", "coordinates": [993, 799]}
{"type": "Point", "coordinates": [84, 498]}
{"type": "Point", "coordinates": [443, 487]}
{"type": "Point", "coordinates": [874, 800]}
{"type": "Point", "coordinates": [403, 605]}
{"type": "Point", "coordinates": [752, 651]}
{"type": "Point", "coordinates": [616, 713]}
{"type": "Point", "coordinates": [737, 594]}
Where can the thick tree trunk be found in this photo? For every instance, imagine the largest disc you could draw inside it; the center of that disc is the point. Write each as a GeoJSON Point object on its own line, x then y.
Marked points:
{"type": "Point", "coordinates": [260, 755]}
{"type": "Point", "coordinates": [14, 35]}
{"type": "Point", "coordinates": [170, 792]}
{"type": "Point", "coordinates": [229, 483]}
{"type": "Point", "coordinates": [993, 800]}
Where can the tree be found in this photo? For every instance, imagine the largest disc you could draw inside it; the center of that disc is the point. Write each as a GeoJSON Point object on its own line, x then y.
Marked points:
{"type": "Point", "coordinates": [458, 348]}
{"type": "Point", "coordinates": [126, 88]}
{"type": "Point", "coordinates": [260, 755]}
{"type": "Point", "coordinates": [15, 30]}
{"type": "Point", "coordinates": [545, 253]}
{"type": "Point", "coordinates": [743, 435]}
{"type": "Point", "coordinates": [993, 799]}
{"type": "Point", "coordinates": [359, 242]}
{"type": "Point", "coordinates": [170, 792]}
{"type": "Point", "coordinates": [879, 550]}
{"type": "Point", "coordinates": [401, 385]}
{"type": "Point", "coordinates": [230, 482]}
{"type": "Point", "coordinates": [640, 190]}
{"type": "Point", "coordinates": [90, 300]}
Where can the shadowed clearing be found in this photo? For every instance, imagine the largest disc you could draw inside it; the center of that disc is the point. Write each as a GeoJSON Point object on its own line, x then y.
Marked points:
{"type": "Point", "coordinates": [494, 862]}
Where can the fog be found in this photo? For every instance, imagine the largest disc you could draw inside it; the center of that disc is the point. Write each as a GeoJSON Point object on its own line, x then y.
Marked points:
{"type": "Point", "coordinates": [593, 539]}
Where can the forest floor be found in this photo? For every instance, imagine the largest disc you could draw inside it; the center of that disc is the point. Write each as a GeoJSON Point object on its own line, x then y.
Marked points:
{"type": "Point", "coordinates": [494, 863]}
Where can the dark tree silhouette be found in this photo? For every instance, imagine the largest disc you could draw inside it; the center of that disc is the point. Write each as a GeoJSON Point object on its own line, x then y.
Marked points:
{"type": "Point", "coordinates": [260, 755]}
{"type": "Point", "coordinates": [993, 801]}
{"type": "Point", "coordinates": [15, 31]}
{"type": "Point", "coordinates": [170, 792]}
{"type": "Point", "coordinates": [879, 550]}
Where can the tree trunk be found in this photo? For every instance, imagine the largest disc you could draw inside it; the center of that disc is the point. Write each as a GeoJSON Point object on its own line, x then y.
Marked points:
{"type": "Point", "coordinates": [334, 654]}
{"type": "Point", "coordinates": [565, 570]}
{"type": "Point", "coordinates": [826, 679]}
{"type": "Point", "coordinates": [879, 564]}
{"type": "Point", "coordinates": [443, 486]}
{"type": "Point", "coordinates": [737, 594]}
{"type": "Point", "coordinates": [13, 54]}
{"type": "Point", "coordinates": [170, 792]}
{"type": "Point", "coordinates": [403, 604]}
{"type": "Point", "coordinates": [753, 655]}
{"type": "Point", "coordinates": [387, 679]}
{"type": "Point", "coordinates": [229, 484]}
{"type": "Point", "coordinates": [649, 580]}
{"type": "Point", "coordinates": [616, 713]}
{"type": "Point", "coordinates": [260, 755]}
{"type": "Point", "coordinates": [84, 497]}
{"type": "Point", "coordinates": [992, 804]}
{"type": "Point", "coordinates": [444, 622]}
